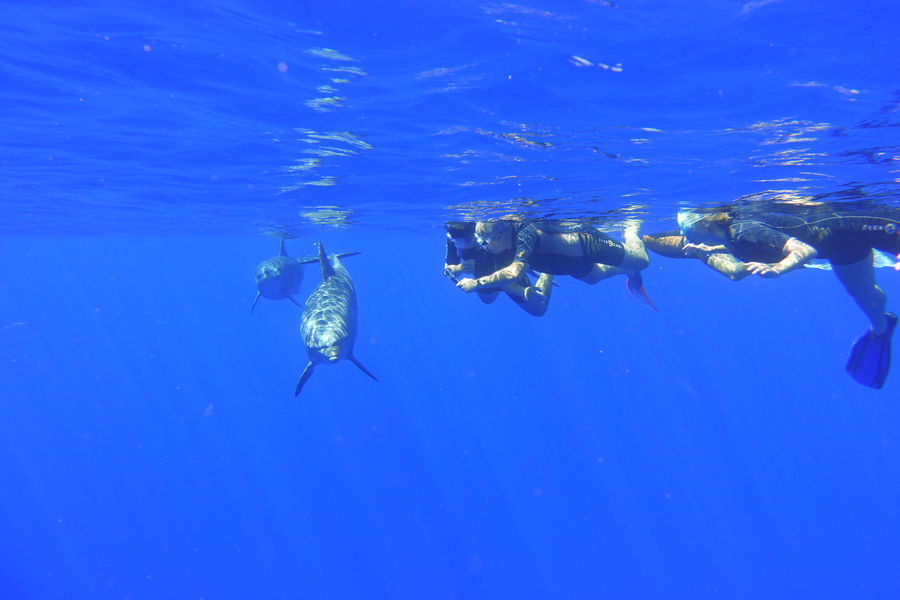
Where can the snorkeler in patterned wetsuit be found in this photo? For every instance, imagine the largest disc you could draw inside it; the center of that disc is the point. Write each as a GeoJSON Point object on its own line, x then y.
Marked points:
{"type": "Point", "coordinates": [581, 251]}
{"type": "Point", "coordinates": [465, 256]}
{"type": "Point", "coordinates": [742, 244]}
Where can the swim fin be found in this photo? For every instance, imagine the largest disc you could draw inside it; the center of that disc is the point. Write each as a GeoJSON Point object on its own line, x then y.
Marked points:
{"type": "Point", "coordinates": [635, 285]}
{"type": "Point", "coordinates": [870, 356]}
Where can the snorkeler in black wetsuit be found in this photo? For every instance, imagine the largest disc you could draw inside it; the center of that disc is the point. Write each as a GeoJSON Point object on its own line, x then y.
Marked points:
{"type": "Point", "coordinates": [565, 250]}
{"type": "Point", "coordinates": [774, 244]}
{"type": "Point", "coordinates": [581, 251]}
{"type": "Point", "coordinates": [465, 256]}
{"type": "Point", "coordinates": [771, 245]}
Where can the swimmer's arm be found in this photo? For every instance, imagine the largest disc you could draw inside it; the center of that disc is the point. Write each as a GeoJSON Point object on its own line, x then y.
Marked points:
{"type": "Point", "coordinates": [466, 266]}
{"type": "Point", "coordinates": [726, 264]}
{"type": "Point", "coordinates": [714, 257]}
{"type": "Point", "coordinates": [499, 278]}
{"type": "Point", "coordinates": [797, 255]}
{"type": "Point", "coordinates": [703, 248]}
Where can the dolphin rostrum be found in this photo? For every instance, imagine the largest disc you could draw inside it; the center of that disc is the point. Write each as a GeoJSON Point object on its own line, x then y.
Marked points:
{"type": "Point", "coordinates": [328, 327]}
{"type": "Point", "coordinates": [279, 277]}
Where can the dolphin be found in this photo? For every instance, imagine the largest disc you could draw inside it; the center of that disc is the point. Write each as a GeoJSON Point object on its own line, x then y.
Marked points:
{"type": "Point", "coordinates": [278, 278]}
{"type": "Point", "coordinates": [328, 326]}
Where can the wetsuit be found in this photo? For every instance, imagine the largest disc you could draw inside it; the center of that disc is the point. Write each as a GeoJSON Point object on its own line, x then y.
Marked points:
{"type": "Point", "coordinates": [486, 263]}
{"type": "Point", "coordinates": [841, 238]}
{"type": "Point", "coordinates": [596, 247]}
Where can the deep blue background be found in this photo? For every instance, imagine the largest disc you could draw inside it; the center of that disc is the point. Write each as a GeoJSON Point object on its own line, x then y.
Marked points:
{"type": "Point", "coordinates": [152, 446]}
{"type": "Point", "coordinates": [150, 443]}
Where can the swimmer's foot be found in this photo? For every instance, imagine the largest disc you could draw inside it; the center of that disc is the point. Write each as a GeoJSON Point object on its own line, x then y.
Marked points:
{"type": "Point", "coordinates": [870, 356]}
{"type": "Point", "coordinates": [635, 285]}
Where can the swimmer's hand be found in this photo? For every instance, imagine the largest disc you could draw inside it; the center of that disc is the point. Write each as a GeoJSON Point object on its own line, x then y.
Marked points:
{"type": "Point", "coordinates": [467, 285]}
{"type": "Point", "coordinates": [703, 248]}
{"type": "Point", "coordinates": [468, 266]}
{"type": "Point", "coordinates": [763, 270]}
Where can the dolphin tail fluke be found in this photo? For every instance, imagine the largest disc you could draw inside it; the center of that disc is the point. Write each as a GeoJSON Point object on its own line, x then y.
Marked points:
{"type": "Point", "coordinates": [281, 250]}
{"type": "Point", "coordinates": [295, 302]}
{"type": "Point", "coordinates": [324, 263]}
{"type": "Point", "coordinates": [254, 302]}
{"type": "Point", "coordinates": [352, 359]}
{"type": "Point", "coordinates": [307, 373]}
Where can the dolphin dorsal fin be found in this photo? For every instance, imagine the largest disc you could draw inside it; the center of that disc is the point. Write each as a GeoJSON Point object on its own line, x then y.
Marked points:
{"type": "Point", "coordinates": [281, 250]}
{"type": "Point", "coordinates": [324, 263]}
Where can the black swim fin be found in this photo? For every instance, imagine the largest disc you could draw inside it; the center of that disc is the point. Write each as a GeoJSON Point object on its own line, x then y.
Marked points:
{"type": "Point", "coordinates": [870, 356]}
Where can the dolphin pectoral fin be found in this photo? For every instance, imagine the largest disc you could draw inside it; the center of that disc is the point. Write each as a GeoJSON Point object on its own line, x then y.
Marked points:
{"type": "Point", "coordinates": [305, 260]}
{"type": "Point", "coordinates": [254, 302]}
{"type": "Point", "coordinates": [352, 359]}
{"type": "Point", "coordinates": [307, 373]}
{"type": "Point", "coordinates": [295, 302]}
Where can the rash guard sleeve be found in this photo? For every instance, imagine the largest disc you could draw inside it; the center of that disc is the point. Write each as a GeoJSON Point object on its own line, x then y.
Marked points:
{"type": "Point", "coordinates": [527, 242]}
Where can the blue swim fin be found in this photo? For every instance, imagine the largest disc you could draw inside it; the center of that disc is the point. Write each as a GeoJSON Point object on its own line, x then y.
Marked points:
{"type": "Point", "coordinates": [635, 285]}
{"type": "Point", "coordinates": [870, 356]}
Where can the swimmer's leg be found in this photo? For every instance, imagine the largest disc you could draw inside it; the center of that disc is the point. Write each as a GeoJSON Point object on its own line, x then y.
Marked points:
{"type": "Point", "coordinates": [537, 297]}
{"type": "Point", "coordinates": [636, 258]}
{"type": "Point", "coordinates": [534, 299]}
{"type": "Point", "coordinates": [859, 281]}
{"type": "Point", "coordinates": [599, 272]}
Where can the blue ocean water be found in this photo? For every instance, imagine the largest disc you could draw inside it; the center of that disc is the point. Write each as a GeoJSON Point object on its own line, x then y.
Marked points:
{"type": "Point", "coordinates": [150, 442]}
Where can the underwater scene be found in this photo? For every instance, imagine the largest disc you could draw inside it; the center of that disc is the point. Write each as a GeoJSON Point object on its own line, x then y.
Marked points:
{"type": "Point", "coordinates": [450, 300]}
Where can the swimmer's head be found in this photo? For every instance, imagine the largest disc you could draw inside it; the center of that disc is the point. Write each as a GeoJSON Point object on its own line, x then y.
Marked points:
{"type": "Point", "coordinates": [460, 229]}
{"type": "Point", "coordinates": [687, 221]}
{"type": "Point", "coordinates": [461, 233]}
{"type": "Point", "coordinates": [494, 236]}
{"type": "Point", "coordinates": [702, 227]}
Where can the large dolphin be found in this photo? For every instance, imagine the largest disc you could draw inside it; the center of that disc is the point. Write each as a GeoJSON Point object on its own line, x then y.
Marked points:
{"type": "Point", "coordinates": [328, 327]}
{"type": "Point", "coordinates": [278, 278]}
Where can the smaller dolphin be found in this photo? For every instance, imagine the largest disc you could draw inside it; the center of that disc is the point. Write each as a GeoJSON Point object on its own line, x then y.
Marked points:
{"type": "Point", "coordinates": [278, 278]}
{"type": "Point", "coordinates": [328, 327]}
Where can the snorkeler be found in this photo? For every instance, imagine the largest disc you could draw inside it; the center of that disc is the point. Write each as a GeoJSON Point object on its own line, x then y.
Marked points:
{"type": "Point", "coordinates": [581, 251]}
{"type": "Point", "coordinates": [465, 257]}
{"type": "Point", "coordinates": [771, 245]}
